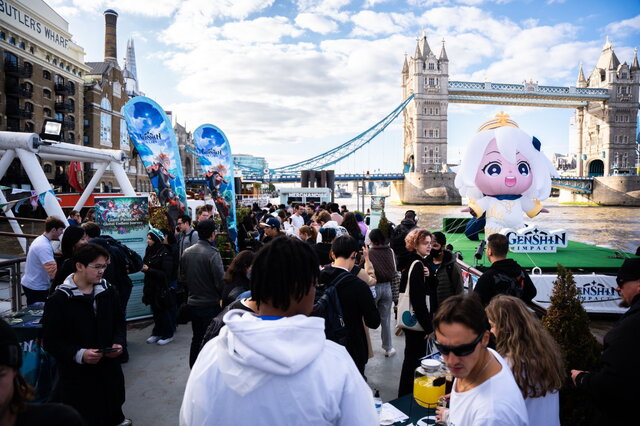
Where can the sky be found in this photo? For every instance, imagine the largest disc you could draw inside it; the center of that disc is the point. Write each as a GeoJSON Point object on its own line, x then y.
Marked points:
{"type": "Point", "coordinates": [291, 79]}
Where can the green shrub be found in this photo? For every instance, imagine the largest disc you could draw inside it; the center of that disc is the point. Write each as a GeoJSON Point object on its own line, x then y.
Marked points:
{"type": "Point", "coordinates": [568, 323]}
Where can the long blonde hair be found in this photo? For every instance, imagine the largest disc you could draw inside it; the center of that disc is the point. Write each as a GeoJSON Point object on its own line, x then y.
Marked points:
{"type": "Point", "coordinates": [536, 359]}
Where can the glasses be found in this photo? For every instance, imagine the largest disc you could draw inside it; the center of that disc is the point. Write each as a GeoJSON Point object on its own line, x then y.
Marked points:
{"type": "Point", "coordinates": [99, 267]}
{"type": "Point", "coordinates": [460, 350]}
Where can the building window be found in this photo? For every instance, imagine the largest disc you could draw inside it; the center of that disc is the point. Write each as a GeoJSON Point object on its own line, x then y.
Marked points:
{"type": "Point", "coordinates": [432, 81]}
{"type": "Point", "coordinates": [28, 127]}
{"type": "Point", "coordinates": [46, 112]}
{"type": "Point", "coordinates": [31, 50]}
{"type": "Point", "coordinates": [55, 61]}
{"type": "Point", "coordinates": [431, 66]}
{"type": "Point", "coordinates": [72, 87]}
{"type": "Point", "coordinates": [72, 105]}
{"type": "Point", "coordinates": [71, 137]}
{"type": "Point", "coordinates": [3, 36]}
{"type": "Point", "coordinates": [12, 40]}
{"type": "Point", "coordinates": [59, 116]}
{"type": "Point", "coordinates": [58, 79]}
{"type": "Point", "coordinates": [22, 46]}
{"type": "Point", "coordinates": [46, 93]}
{"type": "Point", "coordinates": [46, 75]}
{"type": "Point", "coordinates": [124, 136]}
{"type": "Point", "coordinates": [85, 140]}
{"type": "Point", "coordinates": [47, 168]}
{"type": "Point", "coordinates": [10, 58]}
{"type": "Point", "coordinates": [28, 106]}
{"type": "Point", "coordinates": [437, 148]}
{"type": "Point", "coordinates": [624, 75]}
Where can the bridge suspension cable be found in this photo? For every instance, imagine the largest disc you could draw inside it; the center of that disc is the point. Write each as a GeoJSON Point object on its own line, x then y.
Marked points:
{"type": "Point", "coordinates": [340, 152]}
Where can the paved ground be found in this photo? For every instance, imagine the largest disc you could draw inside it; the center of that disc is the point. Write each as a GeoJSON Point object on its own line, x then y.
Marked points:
{"type": "Point", "coordinates": [156, 375]}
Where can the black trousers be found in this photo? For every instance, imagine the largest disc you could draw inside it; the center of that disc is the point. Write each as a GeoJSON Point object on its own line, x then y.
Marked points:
{"type": "Point", "coordinates": [415, 347]}
{"type": "Point", "coordinates": [201, 316]}
{"type": "Point", "coordinates": [34, 296]}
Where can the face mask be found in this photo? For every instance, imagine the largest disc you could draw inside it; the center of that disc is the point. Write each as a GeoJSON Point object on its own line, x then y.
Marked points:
{"type": "Point", "coordinates": [436, 253]}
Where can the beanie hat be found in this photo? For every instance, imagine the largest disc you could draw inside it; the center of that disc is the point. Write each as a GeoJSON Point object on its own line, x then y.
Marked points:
{"type": "Point", "coordinates": [629, 271]}
{"type": "Point", "coordinates": [10, 352]}
{"type": "Point", "coordinates": [156, 235]}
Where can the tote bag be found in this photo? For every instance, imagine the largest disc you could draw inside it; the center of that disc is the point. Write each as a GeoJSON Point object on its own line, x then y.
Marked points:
{"type": "Point", "coordinates": [406, 317]}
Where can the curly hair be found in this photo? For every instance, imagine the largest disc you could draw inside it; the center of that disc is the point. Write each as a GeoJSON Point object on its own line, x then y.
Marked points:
{"type": "Point", "coordinates": [536, 359]}
{"type": "Point", "coordinates": [322, 217]}
{"type": "Point", "coordinates": [414, 237]}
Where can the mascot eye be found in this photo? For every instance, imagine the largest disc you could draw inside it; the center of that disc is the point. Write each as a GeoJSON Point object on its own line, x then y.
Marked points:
{"type": "Point", "coordinates": [523, 168]}
{"type": "Point", "coordinates": [492, 169]}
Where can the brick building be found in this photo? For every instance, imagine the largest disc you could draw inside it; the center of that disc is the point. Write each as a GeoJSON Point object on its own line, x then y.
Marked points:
{"type": "Point", "coordinates": [41, 77]}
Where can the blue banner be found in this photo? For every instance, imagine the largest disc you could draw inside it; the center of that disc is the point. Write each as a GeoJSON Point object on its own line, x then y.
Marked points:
{"type": "Point", "coordinates": [153, 137]}
{"type": "Point", "coordinates": [214, 153]}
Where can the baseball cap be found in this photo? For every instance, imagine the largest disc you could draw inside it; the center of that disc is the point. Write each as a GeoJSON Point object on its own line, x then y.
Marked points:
{"type": "Point", "coordinates": [10, 353]}
{"type": "Point", "coordinates": [629, 271]}
{"type": "Point", "coordinates": [272, 222]}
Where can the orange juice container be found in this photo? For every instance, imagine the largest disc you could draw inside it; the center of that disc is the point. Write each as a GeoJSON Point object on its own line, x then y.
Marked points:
{"type": "Point", "coordinates": [429, 383]}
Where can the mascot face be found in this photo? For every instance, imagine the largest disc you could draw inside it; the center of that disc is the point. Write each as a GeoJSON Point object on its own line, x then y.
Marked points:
{"type": "Point", "coordinates": [497, 176]}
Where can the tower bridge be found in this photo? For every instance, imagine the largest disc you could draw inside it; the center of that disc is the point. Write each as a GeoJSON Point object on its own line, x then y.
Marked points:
{"type": "Point", "coordinates": [605, 122]}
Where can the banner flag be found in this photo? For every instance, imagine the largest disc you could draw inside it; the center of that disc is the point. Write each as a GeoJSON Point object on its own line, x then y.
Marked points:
{"type": "Point", "coordinates": [214, 153]}
{"type": "Point", "coordinates": [151, 132]}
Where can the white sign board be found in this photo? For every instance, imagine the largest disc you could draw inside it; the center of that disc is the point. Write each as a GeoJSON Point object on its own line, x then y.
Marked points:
{"type": "Point", "coordinates": [597, 292]}
{"type": "Point", "coordinates": [535, 240]}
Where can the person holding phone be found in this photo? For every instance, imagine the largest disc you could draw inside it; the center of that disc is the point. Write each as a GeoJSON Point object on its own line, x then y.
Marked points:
{"type": "Point", "coordinates": [84, 329]}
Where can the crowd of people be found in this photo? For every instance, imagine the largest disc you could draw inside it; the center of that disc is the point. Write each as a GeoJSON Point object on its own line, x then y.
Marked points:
{"type": "Point", "coordinates": [285, 329]}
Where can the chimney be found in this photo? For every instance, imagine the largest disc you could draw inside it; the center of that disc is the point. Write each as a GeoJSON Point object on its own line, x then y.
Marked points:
{"type": "Point", "coordinates": [110, 36]}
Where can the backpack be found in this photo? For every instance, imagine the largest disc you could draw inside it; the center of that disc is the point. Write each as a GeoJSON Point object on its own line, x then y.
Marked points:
{"type": "Point", "coordinates": [328, 306]}
{"type": "Point", "coordinates": [511, 286]}
{"type": "Point", "coordinates": [130, 260]}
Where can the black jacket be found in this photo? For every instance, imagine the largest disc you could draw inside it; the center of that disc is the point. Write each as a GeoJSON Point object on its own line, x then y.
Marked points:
{"type": "Point", "coordinates": [418, 290]}
{"type": "Point", "coordinates": [487, 287]}
{"type": "Point", "coordinates": [231, 290]}
{"type": "Point", "coordinates": [618, 379]}
{"type": "Point", "coordinates": [322, 251]}
{"type": "Point", "coordinates": [73, 321]}
{"type": "Point", "coordinates": [156, 279]}
{"type": "Point", "coordinates": [203, 270]}
{"type": "Point", "coordinates": [398, 243]}
{"type": "Point", "coordinates": [447, 280]}
{"type": "Point", "coordinates": [357, 305]}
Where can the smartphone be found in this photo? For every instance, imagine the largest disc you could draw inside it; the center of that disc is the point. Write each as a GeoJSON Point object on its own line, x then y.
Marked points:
{"type": "Point", "coordinates": [107, 350]}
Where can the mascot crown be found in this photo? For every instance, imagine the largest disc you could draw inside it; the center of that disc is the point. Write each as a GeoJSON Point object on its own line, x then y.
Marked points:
{"type": "Point", "coordinates": [500, 120]}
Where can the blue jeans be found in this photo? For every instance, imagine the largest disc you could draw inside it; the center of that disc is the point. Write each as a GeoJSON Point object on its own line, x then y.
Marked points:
{"type": "Point", "coordinates": [201, 316]}
{"type": "Point", "coordinates": [383, 303]}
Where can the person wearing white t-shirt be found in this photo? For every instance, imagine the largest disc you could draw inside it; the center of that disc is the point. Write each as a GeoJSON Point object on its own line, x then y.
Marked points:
{"type": "Point", "coordinates": [484, 391]}
{"type": "Point", "coordinates": [297, 221]}
{"type": "Point", "coordinates": [41, 266]}
{"type": "Point", "coordinates": [532, 355]}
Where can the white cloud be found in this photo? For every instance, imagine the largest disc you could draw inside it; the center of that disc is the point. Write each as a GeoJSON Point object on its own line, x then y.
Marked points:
{"type": "Point", "coordinates": [316, 23]}
{"type": "Point", "coordinates": [330, 8]}
{"type": "Point", "coordinates": [623, 28]}
{"type": "Point", "coordinates": [369, 23]}
{"type": "Point", "coordinates": [156, 8]}
{"type": "Point", "coordinates": [372, 3]}
{"type": "Point", "coordinates": [260, 30]}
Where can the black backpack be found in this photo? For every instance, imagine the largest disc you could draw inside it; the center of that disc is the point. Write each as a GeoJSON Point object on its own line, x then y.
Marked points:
{"type": "Point", "coordinates": [511, 286]}
{"type": "Point", "coordinates": [328, 306]}
{"type": "Point", "coordinates": [130, 260]}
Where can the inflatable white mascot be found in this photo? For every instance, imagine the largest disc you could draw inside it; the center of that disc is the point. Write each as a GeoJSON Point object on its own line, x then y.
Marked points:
{"type": "Point", "coordinates": [504, 173]}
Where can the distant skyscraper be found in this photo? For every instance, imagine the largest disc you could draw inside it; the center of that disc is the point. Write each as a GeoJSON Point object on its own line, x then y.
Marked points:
{"type": "Point", "coordinates": [130, 71]}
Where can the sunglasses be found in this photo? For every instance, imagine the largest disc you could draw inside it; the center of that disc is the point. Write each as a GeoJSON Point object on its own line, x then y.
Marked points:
{"type": "Point", "coordinates": [460, 350]}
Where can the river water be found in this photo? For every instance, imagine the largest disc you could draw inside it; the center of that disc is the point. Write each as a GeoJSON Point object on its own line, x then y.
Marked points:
{"type": "Point", "coordinates": [613, 227]}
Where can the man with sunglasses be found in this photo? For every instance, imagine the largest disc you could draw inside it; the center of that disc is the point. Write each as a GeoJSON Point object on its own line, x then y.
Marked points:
{"type": "Point", "coordinates": [484, 391]}
{"type": "Point", "coordinates": [620, 373]}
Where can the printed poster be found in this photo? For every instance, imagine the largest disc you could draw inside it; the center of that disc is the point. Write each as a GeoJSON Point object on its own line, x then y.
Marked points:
{"type": "Point", "coordinates": [126, 219]}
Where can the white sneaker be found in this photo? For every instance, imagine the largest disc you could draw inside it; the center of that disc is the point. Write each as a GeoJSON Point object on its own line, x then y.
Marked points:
{"type": "Point", "coordinates": [165, 341]}
{"type": "Point", "coordinates": [153, 339]}
{"type": "Point", "coordinates": [391, 352]}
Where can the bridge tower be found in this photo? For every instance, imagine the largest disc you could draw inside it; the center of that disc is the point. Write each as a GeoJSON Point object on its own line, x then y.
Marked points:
{"type": "Point", "coordinates": [607, 129]}
{"type": "Point", "coordinates": [427, 179]}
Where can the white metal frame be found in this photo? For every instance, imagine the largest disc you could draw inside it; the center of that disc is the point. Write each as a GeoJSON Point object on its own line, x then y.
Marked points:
{"type": "Point", "coordinates": [28, 147]}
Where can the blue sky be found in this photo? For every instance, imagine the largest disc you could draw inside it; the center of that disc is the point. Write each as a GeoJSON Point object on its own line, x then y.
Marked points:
{"type": "Point", "coordinates": [291, 79]}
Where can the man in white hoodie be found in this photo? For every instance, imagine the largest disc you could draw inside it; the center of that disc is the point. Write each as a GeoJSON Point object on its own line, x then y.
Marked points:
{"type": "Point", "coordinates": [276, 366]}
